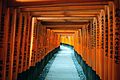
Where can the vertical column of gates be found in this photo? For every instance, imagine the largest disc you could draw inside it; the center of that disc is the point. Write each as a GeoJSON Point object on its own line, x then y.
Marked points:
{"type": "Point", "coordinates": [102, 28]}
{"type": "Point", "coordinates": [48, 41]}
{"type": "Point", "coordinates": [17, 56]}
{"type": "Point", "coordinates": [51, 40]}
{"type": "Point", "coordinates": [23, 44]}
{"type": "Point", "coordinates": [82, 41]}
{"type": "Point", "coordinates": [29, 19]}
{"type": "Point", "coordinates": [94, 44]}
{"type": "Point", "coordinates": [6, 51]}
{"type": "Point", "coordinates": [97, 45]}
{"type": "Point", "coordinates": [54, 38]}
{"type": "Point", "coordinates": [106, 44]}
{"type": "Point", "coordinates": [85, 46]}
{"type": "Point", "coordinates": [39, 42]}
{"type": "Point", "coordinates": [89, 45]}
{"type": "Point", "coordinates": [3, 42]}
{"type": "Point", "coordinates": [87, 42]}
{"type": "Point", "coordinates": [18, 49]}
{"type": "Point", "coordinates": [58, 39]}
{"type": "Point", "coordinates": [117, 41]}
{"type": "Point", "coordinates": [110, 39]}
{"type": "Point", "coordinates": [10, 42]}
{"type": "Point", "coordinates": [44, 39]}
{"type": "Point", "coordinates": [79, 42]}
{"type": "Point", "coordinates": [34, 44]}
{"type": "Point", "coordinates": [8, 27]}
{"type": "Point", "coordinates": [76, 40]}
{"type": "Point", "coordinates": [25, 48]}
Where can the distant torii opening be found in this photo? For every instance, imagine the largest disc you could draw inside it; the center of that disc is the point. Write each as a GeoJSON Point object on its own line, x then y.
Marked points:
{"type": "Point", "coordinates": [67, 39]}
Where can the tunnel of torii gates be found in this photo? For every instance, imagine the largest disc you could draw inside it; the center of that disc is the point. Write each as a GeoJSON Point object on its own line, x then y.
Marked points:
{"type": "Point", "coordinates": [29, 30]}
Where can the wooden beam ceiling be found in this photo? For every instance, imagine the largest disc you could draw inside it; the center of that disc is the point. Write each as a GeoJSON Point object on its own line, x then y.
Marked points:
{"type": "Point", "coordinates": [65, 23]}
{"type": "Point", "coordinates": [64, 31]}
{"type": "Point", "coordinates": [66, 27]}
{"type": "Point", "coordinates": [61, 8]}
{"type": "Point", "coordinates": [72, 15]}
{"type": "Point", "coordinates": [65, 18]}
{"type": "Point", "coordinates": [65, 12]}
{"type": "Point", "coordinates": [53, 2]}
{"type": "Point", "coordinates": [51, 12]}
{"type": "Point", "coordinates": [62, 20]}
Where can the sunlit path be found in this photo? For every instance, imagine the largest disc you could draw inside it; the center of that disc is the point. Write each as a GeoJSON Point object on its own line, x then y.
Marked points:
{"type": "Point", "coordinates": [62, 67]}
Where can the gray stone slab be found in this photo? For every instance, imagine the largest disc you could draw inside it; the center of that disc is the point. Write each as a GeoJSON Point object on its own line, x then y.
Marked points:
{"type": "Point", "coordinates": [63, 67]}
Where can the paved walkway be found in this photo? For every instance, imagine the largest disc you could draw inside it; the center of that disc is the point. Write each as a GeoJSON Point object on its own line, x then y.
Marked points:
{"type": "Point", "coordinates": [63, 67]}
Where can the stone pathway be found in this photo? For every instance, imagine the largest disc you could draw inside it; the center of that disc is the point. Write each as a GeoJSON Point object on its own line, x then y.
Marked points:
{"type": "Point", "coordinates": [63, 66]}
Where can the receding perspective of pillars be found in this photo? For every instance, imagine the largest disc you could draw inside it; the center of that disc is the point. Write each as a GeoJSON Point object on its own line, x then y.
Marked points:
{"type": "Point", "coordinates": [25, 40]}
{"type": "Point", "coordinates": [23, 44]}
{"type": "Point", "coordinates": [103, 43]}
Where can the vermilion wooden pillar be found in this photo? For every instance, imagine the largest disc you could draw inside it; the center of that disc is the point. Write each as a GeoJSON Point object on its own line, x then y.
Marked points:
{"type": "Point", "coordinates": [94, 43]}
{"type": "Point", "coordinates": [91, 54]}
{"type": "Point", "coordinates": [9, 54]}
{"type": "Point", "coordinates": [12, 47]}
{"type": "Point", "coordinates": [106, 44]}
{"type": "Point", "coordinates": [4, 50]}
{"type": "Point", "coordinates": [23, 43]}
{"type": "Point", "coordinates": [45, 38]}
{"type": "Point", "coordinates": [97, 46]}
{"type": "Point", "coordinates": [29, 22]}
{"type": "Point", "coordinates": [40, 41]}
{"type": "Point", "coordinates": [76, 41]}
{"type": "Point", "coordinates": [38, 37]}
{"type": "Point", "coordinates": [89, 46]}
{"type": "Point", "coordinates": [34, 48]}
{"type": "Point", "coordinates": [117, 40]}
{"type": "Point", "coordinates": [101, 44]}
{"type": "Point", "coordinates": [21, 37]}
{"type": "Point", "coordinates": [50, 38]}
{"type": "Point", "coordinates": [110, 39]}
{"type": "Point", "coordinates": [79, 40]}
{"type": "Point", "coordinates": [27, 41]}
{"type": "Point", "coordinates": [24, 48]}
{"type": "Point", "coordinates": [19, 43]}
{"type": "Point", "coordinates": [31, 41]}
{"type": "Point", "coordinates": [87, 42]}
{"type": "Point", "coordinates": [8, 43]}
{"type": "Point", "coordinates": [58, 39]}
{"type": "Point", "coordinates": [55, 40]}
{"type": "Point", "coordinates": [82, 42]}
{"type": "Point", "coordinates": [117, 45]}
{"type": "Point", "coordinates": [17, 46]}
{"type": "Point", "coordinates": [0, 11]}
{"type": "Point", "coordinates": [48, 41]}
